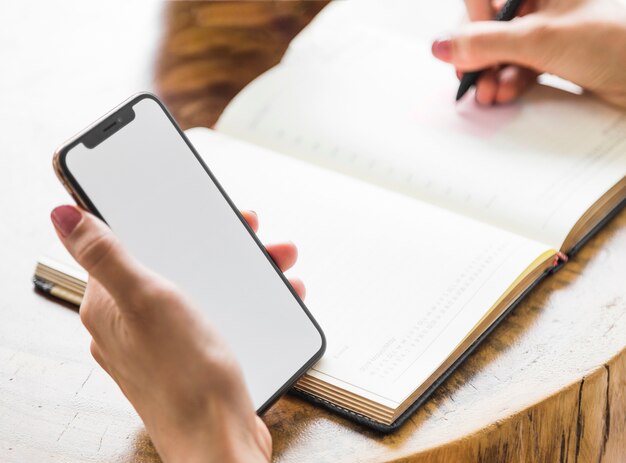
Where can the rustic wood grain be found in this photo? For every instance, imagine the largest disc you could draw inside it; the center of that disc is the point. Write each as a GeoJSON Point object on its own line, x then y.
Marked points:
{"type": "Point", "coordinates": [547, 385]}
{"type": "Point", "coordinates": [211, 50]}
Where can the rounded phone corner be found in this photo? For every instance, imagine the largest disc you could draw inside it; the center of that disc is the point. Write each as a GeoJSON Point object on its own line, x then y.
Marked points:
{"type": "Point", "coordinates": [145, 95]}
{"type": "Point", "coordinates": [322, 349]}
{"type": "Point", "coordinates": [137, 97]}
{"type": "Point", "coordinates": [59, 165]}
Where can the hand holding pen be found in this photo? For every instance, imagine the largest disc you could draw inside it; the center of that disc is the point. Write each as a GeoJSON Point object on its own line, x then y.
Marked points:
{"type": "Point", "coordinates": [478, 50]}
{"type": "Point", "coordinates": [469, 79]}
{"type": "Point", "coordinates": [572, 39]}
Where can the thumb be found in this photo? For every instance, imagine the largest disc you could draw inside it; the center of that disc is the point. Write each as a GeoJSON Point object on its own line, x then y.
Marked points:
{"type": "Point", "coordinates": [97, 250]}
{"type": "Point", "coordinates": [484, 44]}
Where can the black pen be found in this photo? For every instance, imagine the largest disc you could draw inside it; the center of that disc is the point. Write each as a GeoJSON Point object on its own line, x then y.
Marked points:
{"type": "Point", "coordinates": [508, 12]}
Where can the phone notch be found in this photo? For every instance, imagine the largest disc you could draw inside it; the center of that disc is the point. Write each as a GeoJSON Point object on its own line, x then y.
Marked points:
{"type": "Point", "coordinates": [108, 127]}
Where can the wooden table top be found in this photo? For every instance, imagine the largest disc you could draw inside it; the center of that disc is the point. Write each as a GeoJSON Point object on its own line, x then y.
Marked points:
{"type": "Point", "coordinates": [546, 386]}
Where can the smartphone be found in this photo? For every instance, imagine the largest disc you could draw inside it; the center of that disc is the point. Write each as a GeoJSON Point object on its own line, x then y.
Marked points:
{"type": "Point", "coordinates": [136, 170]}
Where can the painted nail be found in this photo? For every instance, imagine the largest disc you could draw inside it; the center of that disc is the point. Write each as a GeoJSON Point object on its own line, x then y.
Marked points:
{"type": "Point", "coordinates": [442, 49]}
{"type": "Point", "coordinates": [65, 219]}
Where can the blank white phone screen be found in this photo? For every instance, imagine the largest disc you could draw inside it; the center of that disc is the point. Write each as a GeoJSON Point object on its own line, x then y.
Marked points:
{"type": "Point", "coordinates": [166, 210]}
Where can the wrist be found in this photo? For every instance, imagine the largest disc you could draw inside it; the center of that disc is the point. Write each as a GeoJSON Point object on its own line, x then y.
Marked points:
{"type": "Point", "coordinates": [220, 435]}
{"type": "Point", "coordinates": [218, 450]}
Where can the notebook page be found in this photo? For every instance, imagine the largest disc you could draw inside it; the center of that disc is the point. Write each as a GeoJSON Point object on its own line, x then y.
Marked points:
{"type": "Point", "coordinates": [395, 283]}
{"type": "Point", "coordinates": [382, 110]}
{"type": "Point", "coordinates": [405, 19]}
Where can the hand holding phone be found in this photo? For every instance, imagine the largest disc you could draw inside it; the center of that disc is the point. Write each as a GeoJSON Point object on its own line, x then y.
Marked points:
{"type": "Point", "coordinates": [170, 363]}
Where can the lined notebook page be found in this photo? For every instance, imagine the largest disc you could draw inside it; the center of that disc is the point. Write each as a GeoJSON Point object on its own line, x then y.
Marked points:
{"type": "Point", "coordinates": [382, 110]}
{"type": "Point", "coordinates": [395, 283]}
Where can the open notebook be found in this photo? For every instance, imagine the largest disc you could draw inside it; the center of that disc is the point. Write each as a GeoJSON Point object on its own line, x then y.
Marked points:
{"type": "Point", "coordinates": [419, 224]}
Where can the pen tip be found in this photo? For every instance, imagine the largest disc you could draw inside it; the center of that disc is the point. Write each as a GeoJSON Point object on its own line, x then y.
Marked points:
{"type": "Point", "coordinates": [460, 93]}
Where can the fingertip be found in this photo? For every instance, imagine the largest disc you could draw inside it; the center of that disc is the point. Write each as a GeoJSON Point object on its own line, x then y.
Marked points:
{"type": "Point", "coordinates": [506, 94]}
{"type": "Point", "coordinates": [294, 249]}
{"type": "Point", "coordinates": [283, 254]}
{"type": "Point", "coordinates": [442, 49]}
{"type": "Point", "coordinates": [65, 219]}
{"type": "Point", "coordinates": [298, 287]}
{"type": "Point", "coordinates": [252, 219]}
{"type": "Point", "coordinates": [481, 96]}
{"type": "Point", "coordinates": [486, 88]}
{"type": "Point", "coordinates": [507, 86]}
{"type": "Point", "coordinates": [512, 82]}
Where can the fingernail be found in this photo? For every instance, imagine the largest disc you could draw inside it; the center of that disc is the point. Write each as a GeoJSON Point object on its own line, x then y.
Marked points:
{"type": "Point", "coordinates": [254, 212]}
{"type": "Point", "coordinates": [442, 49]}
{"type": "Point", "coordinates": [65, 219]}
